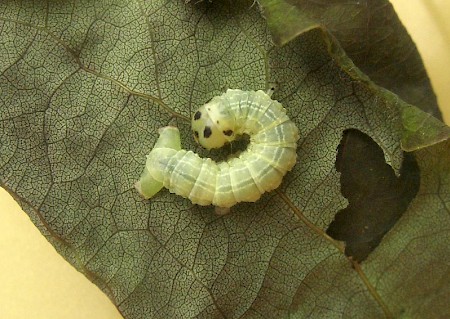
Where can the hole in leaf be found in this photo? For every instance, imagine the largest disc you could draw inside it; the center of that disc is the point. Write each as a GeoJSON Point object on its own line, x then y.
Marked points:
{"type": "Point", "coordinates": [377, 198]}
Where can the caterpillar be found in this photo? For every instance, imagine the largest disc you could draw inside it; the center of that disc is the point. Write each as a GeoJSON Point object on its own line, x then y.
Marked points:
{"type": "Point", "coordinates": [270, 154]}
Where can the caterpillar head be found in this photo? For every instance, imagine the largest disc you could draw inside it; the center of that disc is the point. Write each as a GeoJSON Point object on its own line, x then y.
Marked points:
{"type": "Point", "coordinates": [213, 124]}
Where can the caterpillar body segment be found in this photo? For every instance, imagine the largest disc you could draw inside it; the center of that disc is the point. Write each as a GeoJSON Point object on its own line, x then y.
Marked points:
{"type": "Point", "coordinates": [148, 185]}
{"type": "Point", "coordinates": [270, 154]}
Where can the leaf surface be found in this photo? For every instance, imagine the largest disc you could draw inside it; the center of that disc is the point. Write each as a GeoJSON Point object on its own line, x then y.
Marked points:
{"type": "Point", "coordinates": [86, 85]}
{"type": "Point", "coordinates": [371, 34]}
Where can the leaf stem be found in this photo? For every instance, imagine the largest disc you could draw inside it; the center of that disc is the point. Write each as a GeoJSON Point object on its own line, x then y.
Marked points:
{"type": "Point", "coordinates": [371, 288]}
{"type": "Point", "coordinates": [316, 229]}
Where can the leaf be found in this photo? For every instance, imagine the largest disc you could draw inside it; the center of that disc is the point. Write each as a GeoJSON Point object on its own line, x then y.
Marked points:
{"type": "Point", "coordinates": [411, 266]}
{"type": "Point", "coordinates": [372, 36]}
{"type": "Point", "coordinates": [84, 87]}
{"type": "Point", "coordinates": [420, 130]}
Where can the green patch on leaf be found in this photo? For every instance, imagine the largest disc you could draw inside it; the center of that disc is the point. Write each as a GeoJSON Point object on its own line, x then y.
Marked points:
{"type": "Point", "coordinates": [421, 129]}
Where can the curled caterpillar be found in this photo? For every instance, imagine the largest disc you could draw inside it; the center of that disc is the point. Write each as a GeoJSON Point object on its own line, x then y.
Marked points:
{"type": "Point", "coordinates": [270, 154]}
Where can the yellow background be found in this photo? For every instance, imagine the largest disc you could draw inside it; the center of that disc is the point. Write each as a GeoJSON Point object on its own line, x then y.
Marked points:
{"type": "Point", "coordinates": [35, 282]}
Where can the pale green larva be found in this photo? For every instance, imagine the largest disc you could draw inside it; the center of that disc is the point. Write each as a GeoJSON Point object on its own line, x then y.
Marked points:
{"type": "Point", "coordinates": [270, 154]}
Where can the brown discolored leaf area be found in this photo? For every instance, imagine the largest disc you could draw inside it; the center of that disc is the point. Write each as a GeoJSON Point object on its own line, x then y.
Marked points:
{"type": "Point", "coordinates": [377, 197]}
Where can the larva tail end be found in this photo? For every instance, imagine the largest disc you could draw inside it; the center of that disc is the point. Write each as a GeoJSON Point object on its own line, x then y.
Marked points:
{"type": "Point", "coordinates": [147, 186]}
{"type": "Point", "coordinates": [222, 210]}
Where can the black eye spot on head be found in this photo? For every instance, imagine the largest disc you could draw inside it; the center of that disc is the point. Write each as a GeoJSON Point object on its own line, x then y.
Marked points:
{"type": "Point", "coordinates": [207, 132]}
{"type": "Point", "coordinates": [196, 134]}
{"type": "Point", "coordinates": [228, 132]}
{"type": "Point", "coordinates": [197, 115]}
